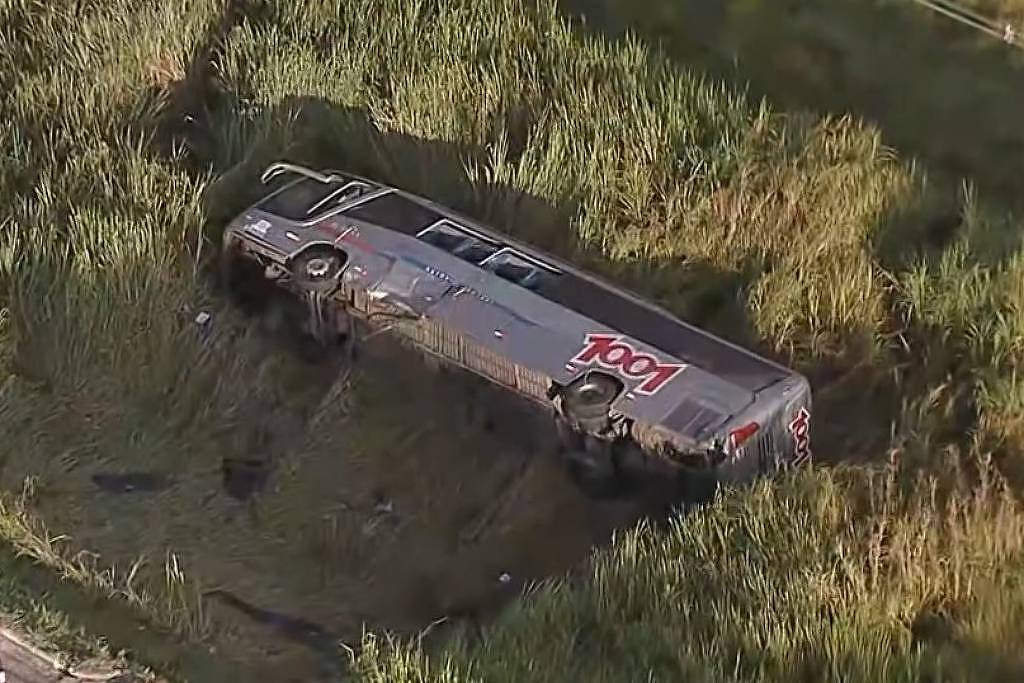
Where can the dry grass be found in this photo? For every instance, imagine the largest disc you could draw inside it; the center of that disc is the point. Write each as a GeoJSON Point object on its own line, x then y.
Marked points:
{"type": "Point", "coordinates": [806, 237]}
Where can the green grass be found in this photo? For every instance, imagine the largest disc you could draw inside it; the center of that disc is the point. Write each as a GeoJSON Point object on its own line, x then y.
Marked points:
{"type": "Point", "coordinates": [834, 576]}
{"type": "Point", "coordinates": [663, 167]}
{"type": "Point", "coordinates": [38, 614]}
{"type": "Point", "coordinates": [27, 535]}
{"type": "Point", "coordinates": [933, 87]}
{"type": "Point", "coordinates": [805, 237]}
{"type": "Point", "coordinates": [1011, 11]}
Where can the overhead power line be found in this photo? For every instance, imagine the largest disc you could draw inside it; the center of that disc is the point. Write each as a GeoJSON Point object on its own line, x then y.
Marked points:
{"type": "Point", "coordinates": [1006, 32]}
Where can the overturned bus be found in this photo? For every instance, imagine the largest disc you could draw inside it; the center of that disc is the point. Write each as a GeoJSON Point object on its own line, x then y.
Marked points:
{"type": "Point", "coordinates": [629, 384]}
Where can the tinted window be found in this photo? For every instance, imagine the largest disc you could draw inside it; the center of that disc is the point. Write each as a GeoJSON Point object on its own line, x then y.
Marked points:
{"type": "Point", "coordinates": [444, 236]}
{"type": "Point", "coordinates": [395, 212]}
{"type": "Point", "coordinates": [476, 251]}
{"type": "Point", "coordinates": [540, 280]}
{"type": "Point", "coordinates": [295, 201]}
{"type": "Point", "coordinates": [444, 240]}
{"type": "Point", "coordinates": [514, 269]}
{"type": "Point", "coordinates": [452, 238]}
{"type": "Point", "coordinates": [340, 196]}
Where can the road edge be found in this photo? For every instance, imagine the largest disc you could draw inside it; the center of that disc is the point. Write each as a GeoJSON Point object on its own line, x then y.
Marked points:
{"type": "Point", "coordinates": [50, 662]}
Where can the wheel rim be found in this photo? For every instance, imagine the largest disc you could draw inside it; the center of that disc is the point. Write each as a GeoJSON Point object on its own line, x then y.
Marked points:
{"type": "Point", "coordinates": [592, 393]}
{"type": "Point", "coordinates": [318, 268]}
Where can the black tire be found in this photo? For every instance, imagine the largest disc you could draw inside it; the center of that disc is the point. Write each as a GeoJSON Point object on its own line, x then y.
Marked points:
{"type": "Point", "coordinates": [316, 269]}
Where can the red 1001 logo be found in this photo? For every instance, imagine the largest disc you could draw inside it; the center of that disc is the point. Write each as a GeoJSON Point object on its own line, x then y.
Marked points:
{"type": "Point", "coordinates": [800, 427]}
{"type": "Point", "coordinates": [610, 351]}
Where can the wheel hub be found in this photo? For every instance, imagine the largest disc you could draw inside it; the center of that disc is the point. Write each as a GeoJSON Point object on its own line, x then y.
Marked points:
{"type": "Point", "coordinates": [318, 268]}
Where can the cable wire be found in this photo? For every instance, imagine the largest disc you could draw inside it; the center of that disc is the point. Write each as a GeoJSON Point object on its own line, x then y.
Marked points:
{"type": "Point", "coordinates": [1005, 32]}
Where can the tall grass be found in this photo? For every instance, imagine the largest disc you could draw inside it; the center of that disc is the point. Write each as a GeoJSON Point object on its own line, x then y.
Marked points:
{"type": "Point", "coordinates": [1010, 11]}
{"type": "Point", "coordinates": [91, 275]}
{"type": "Point", "coordinates": [841, 253]}
{"type": "Point", "coordinates": [648, 165]}
{"type": "Point", "coordinates": [819, 239]}
{"type": "Point", "coordinates": [824, 577]}
{"type": "Point", "coordinates": [971, 295]}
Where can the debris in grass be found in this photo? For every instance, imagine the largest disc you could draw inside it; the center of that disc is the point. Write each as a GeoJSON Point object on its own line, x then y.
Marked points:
{"type": "Point", "coordinates": [204, 321]}
{"type": "Point", "coordinates": [382, 505]}
{"type": "Point", "coordinates": [131, 482]}
{"type": "Point", "coordinates": [242, 477]}
{"type": "Point", "coordinates": [504, 577]}
{"type": "Point", "coordinates": [201, 319]}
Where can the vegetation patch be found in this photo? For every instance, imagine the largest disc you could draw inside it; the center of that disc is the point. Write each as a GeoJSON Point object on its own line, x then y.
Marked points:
{"type": "Point", "coordinates": [823, 576]}
{"type": "Point", "coordinates": [386, 508]}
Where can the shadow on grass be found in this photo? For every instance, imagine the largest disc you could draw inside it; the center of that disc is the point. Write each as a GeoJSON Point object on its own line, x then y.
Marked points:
{"type": "Point", "coordinates": [937, 90]}
{"type": "Point", "coordinates": [929, 358]}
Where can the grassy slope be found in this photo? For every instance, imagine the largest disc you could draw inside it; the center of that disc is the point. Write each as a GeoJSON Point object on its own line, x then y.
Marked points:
{"type": "Point", "coordinates": [948, 94]}
{"type": "Point", "coordinates": [1011, 11]}
{"type": "Point", "coordinates": [42, 616]}
{"type": "Point", "coordinates": [826, 577]}
{"type": "Point", "coordinates": [806, 237]}
{"type": "Point", "coordinates": [85, 271]}
{"type": "Point", "coordinates": [841, 254]}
